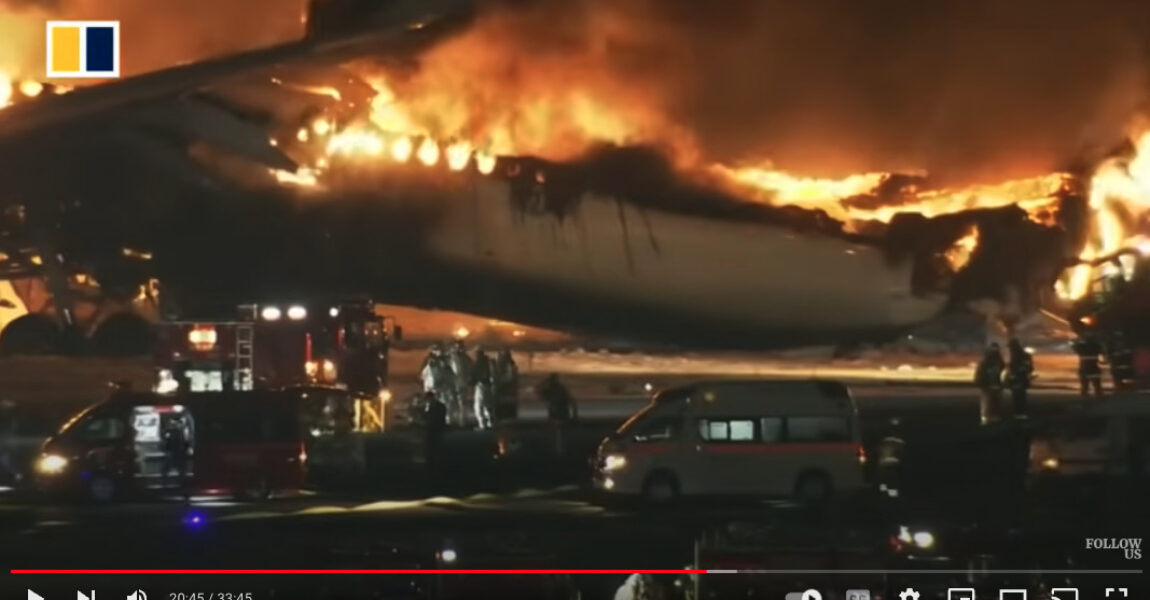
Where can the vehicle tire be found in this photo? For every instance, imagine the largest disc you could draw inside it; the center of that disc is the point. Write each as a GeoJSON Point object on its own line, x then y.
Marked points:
{"type": "Point", "coordinates": [813, 487]}
{"type": "Point", "coordinates": [101, 489]}
{"type": "Point", "coordinates": [661, 488]}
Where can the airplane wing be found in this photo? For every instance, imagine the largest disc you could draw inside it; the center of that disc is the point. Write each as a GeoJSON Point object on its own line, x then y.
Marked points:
{"type": "Point", "coordinates": [401, 26]}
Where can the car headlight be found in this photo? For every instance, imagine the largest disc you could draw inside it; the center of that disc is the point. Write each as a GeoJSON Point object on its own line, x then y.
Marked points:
{"type": "Point", "coordinates": [51, 464]}
{"type": "Point", "coordinates": [614, 462]}
{"type": "Point", "coordinates": [919, 539]}
{"type": "Point", "coordinates": [924, 539]}
{"type": "Point", "coordinates": [1050, 464]}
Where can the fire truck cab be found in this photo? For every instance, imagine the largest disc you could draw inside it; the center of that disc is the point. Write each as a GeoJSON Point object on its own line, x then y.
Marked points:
{"type": "Point", "coordinates": [269, 346]}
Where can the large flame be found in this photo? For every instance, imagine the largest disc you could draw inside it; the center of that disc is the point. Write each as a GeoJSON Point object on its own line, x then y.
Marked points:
{"type": "Point", "coordinates": [1120, 211]}
{"type": "Point", "coordinates": [435, 129]}
{"type": "Point", "coordinates": [5, 88]}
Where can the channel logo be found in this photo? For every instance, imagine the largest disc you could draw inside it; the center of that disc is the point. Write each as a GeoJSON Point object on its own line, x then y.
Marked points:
{"type": "Point", "coordinates": [83, 49]}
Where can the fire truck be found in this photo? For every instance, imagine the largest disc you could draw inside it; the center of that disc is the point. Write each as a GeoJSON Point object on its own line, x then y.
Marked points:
{"type": "Point", "coordinates": [342, 344]}
{"type": "Point", "coordinates": [1116, 314]}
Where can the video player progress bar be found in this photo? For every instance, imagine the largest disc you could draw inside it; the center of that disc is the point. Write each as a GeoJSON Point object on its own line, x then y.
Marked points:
{"type": "Point", "coordinates": [575, 571]}
{"type": "Point", "coordinates": [926, 571]}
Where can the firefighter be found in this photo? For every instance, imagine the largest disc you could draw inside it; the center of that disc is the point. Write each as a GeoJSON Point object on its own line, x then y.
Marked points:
{"type": "Point", "coordinates": [988, 378]}
{"type": "Point", "coordinates": [1089, 352]}
{"type": "Point", "coordinates": [434, 426]}
{"type": "Point", "coordinates": [176, 446]}
{"type": "Point", "coordinates": [507, 382]}
{"type": "Point", "coordinates": [460, 370]}
{"type": "Point", "coordinates": [483, 379]}
{"type": "Point", "coordinates": [427, 373]}
{"type": "Point", "coordinates": [1020, 374]}
{"type": "Point", "coordinates": [1121, 358]}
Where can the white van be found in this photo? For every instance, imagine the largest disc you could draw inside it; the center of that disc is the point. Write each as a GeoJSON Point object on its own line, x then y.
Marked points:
{"type": "Point", "coordinates": [1109, 437]}
{"type": "Point", "coordinates": [751, 437]}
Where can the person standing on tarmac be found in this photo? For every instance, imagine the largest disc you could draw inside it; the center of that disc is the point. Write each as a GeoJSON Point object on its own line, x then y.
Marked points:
{"type": "Point", "coordinates": [434, 427]}
{"type": "Point", "coordinates": [1020, 375]}
{"type": "Point", "coordinates": [506, 383]}
{"type": "Point", "coordinates": [1089, 353]}
{"type": "Point", "coordinates": [460, 366]}
{"type": "Point", "coordinates": [560, 404]}
{"type": "Point", "coordinates": [988, 378]}
{"type": "Point", "coordinates": [176, 454]}
{"type": "Point", "coordinates": [438, 376]}
{"type": "Point", "coordinates": [1121, 358]}
{"type": "Point", "coordinates": [482, 377]}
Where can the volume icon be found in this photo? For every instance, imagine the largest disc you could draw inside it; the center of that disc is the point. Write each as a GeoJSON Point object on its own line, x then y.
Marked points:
{"type": "Point", "coordinates": [137, 595]}
{"type": "Point", "coordinates": [89, 595]}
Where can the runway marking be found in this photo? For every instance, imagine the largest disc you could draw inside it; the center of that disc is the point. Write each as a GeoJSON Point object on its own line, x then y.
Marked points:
{"type": "Point", "coordinates": [530, 500]}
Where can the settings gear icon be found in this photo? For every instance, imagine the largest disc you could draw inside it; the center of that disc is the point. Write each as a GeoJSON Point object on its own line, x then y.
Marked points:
{"type": "Point", "coordinates": [908, 594]}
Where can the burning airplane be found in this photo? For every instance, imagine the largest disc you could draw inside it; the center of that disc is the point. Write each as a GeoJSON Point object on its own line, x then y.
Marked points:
{"type": "Point", "coordinates": [432, 164]}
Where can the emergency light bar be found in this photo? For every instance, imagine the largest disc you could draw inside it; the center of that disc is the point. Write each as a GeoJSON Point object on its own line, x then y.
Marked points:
{"type": "Point", "coordinates": [203, 338]}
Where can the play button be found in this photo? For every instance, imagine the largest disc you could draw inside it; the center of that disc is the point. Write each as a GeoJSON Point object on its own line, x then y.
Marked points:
{"type": "Point", "coordinates": [34, 596]}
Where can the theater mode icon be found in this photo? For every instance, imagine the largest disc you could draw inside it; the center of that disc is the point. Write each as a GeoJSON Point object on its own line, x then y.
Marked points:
{"type": "Point", "coordinates": [83, 49]}
{"type": "Point", "coordinates": [1064, 594]}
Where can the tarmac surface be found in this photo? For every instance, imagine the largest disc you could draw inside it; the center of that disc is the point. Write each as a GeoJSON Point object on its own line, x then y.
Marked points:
{"type": "Point", "coordinates": [533, 509]}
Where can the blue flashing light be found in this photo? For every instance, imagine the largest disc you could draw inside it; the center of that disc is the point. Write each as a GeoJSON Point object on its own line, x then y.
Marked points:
{"type": "Point", "coordinates": [195, 520]}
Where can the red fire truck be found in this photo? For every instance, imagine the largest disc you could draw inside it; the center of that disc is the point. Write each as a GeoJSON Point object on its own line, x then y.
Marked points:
{"type": "Point", "coordinates": [269, 346]}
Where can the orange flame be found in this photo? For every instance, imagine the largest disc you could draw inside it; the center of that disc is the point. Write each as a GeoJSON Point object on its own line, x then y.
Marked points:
{"type": "Point", "coordinates": [457, 155]}
{"type": "Point", "coordinates": [354, 141]}
{"type": "Point", "coordinates": [1120, 203]}
{"type": "Point", "coordinates": [484, 163]}
{"type": "Point", "coordinates": [401, 149]}
{"type": "Point", "coordinates": [5, 89]}
{"type": "Point", "coordinates": [428, 152]}
{"type": "Point", "coordinates": [958, 255]}
{"type": "Point", "coordinates": [31, 88]}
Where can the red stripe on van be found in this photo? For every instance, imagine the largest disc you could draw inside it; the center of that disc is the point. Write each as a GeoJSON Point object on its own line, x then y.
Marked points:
{"type": "Point", "coordinates": [778, 447]}
{"type": "Point", "coordinates": [651, 448]}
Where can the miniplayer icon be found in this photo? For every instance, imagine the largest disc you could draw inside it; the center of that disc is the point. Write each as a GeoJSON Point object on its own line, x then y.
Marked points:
{"type": "Point", "coordinates": [960, 594]}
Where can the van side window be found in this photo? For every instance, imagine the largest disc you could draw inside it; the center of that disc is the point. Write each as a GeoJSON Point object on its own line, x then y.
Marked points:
{"type": "Point", "coordinates": [102, 429]}
{"type": "Point", "coordinates": [658, 429]}
{"type": "Point", "coordinates": [727, 430]}
{"type": "Point", "coordinates": [818, 429]}
{"type": "Point", "coordinates": [772, 429]}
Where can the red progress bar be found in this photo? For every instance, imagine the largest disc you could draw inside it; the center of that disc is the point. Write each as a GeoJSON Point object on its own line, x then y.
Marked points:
{"type": "Point", "coordinates": [333, 571]}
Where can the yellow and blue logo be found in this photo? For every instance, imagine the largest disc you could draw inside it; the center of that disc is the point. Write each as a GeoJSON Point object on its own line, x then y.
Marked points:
{"type": "Point", "coordinates": [83, 49]}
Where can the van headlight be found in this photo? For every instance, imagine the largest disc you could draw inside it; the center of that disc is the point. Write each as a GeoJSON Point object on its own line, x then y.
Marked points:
{"type": "Point", "coordinates": [51, 464]}
{"type": "Point", "coordinates": [614, 462]}
{"type": "Point", "coordinates": [920, 539]}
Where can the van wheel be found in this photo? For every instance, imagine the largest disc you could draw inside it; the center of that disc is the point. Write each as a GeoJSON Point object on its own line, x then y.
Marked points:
{"type": "Point", "coordinates": [661, 488]}
{"type": "Point", "coordinates": [101, 488]}
{"type": "Point", "coordinates": [813, 487]}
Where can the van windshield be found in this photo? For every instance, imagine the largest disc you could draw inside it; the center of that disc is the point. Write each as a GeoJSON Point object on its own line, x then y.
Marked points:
{"type": "Point", "coordinates": [629, 427]}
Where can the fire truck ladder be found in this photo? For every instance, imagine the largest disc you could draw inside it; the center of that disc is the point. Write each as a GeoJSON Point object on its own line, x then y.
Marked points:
{"type": "Point", "coordinates": [245, 341]}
